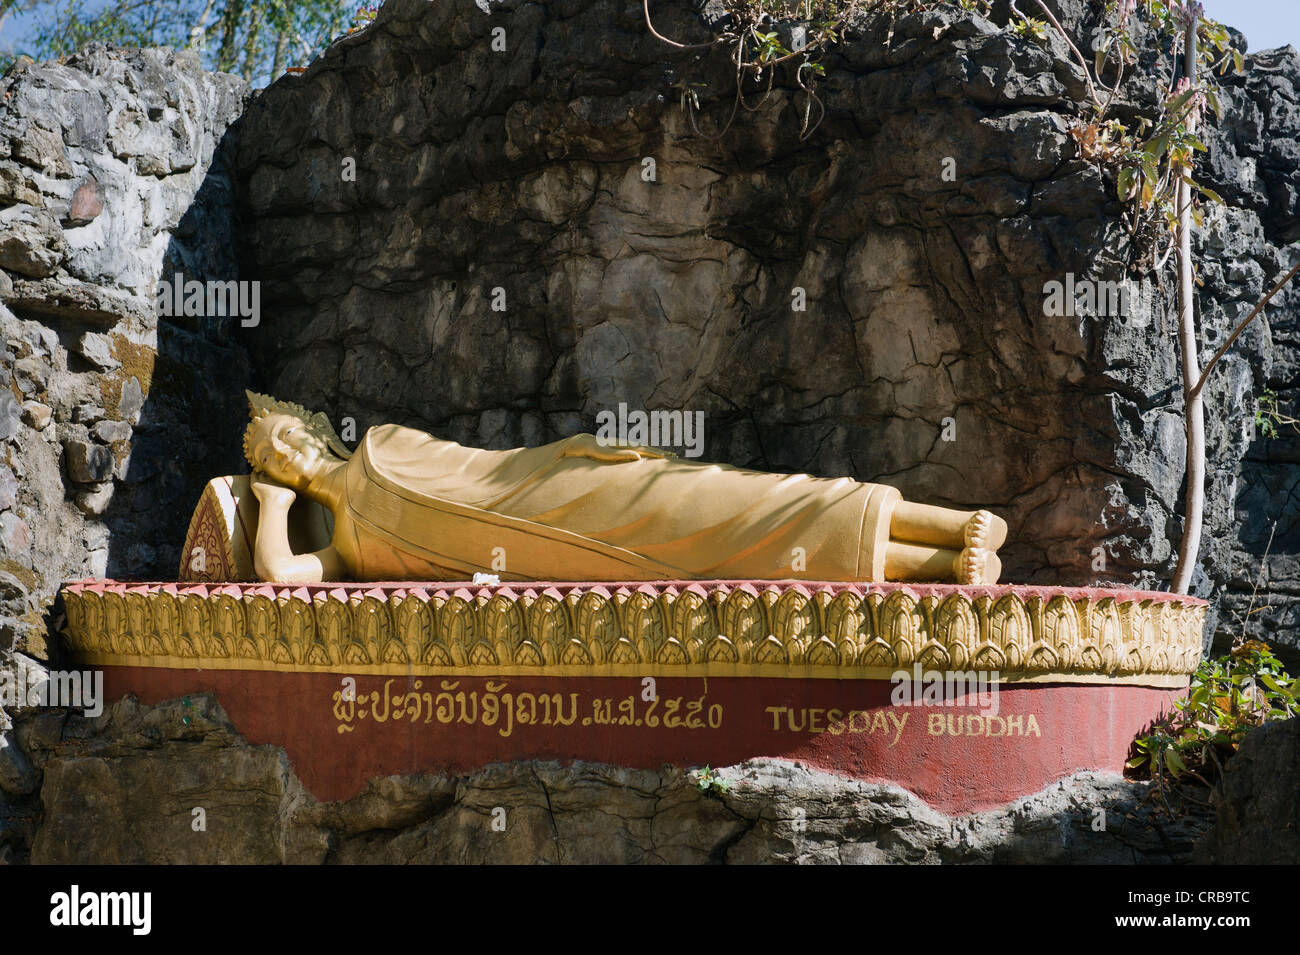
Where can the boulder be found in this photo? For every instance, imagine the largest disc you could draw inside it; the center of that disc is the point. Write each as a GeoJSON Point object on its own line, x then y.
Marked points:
{"type": "Point", "coordinates": [1257, 801]}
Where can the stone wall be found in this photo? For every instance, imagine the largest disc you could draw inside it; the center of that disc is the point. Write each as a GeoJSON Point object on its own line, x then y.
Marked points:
{"type": "Point", "coordinates": [111, 420]}
{"type": "Point", "coordinates": [521, 176]}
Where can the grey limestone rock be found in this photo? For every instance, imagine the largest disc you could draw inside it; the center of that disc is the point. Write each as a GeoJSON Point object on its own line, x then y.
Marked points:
{"type": "Point", "coordinates": [1257, 801]}
{"type": "Point", "coordinates": [112, 176]}
{"type": "Point", "coordinates": [31, 242]}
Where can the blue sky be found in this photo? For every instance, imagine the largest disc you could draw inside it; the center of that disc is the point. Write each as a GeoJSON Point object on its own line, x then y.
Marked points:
{"type": "Point", "coordinates": [1266, 23]}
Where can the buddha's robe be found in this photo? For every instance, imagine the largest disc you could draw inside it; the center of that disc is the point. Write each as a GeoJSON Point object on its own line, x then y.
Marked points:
{"type": "Point", "coordinates": [413, 507]}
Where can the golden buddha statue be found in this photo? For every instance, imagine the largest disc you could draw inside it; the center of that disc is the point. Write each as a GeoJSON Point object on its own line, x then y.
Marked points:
{"type": "Point", "coordinates": [409, 506]}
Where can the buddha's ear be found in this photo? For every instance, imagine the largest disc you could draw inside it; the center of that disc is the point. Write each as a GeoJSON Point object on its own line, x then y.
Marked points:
{"type": "Point", "coordinates": [320, 425]}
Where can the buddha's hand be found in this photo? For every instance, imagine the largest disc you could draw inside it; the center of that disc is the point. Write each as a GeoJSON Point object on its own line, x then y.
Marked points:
{"type": "Point", "coordinates": [271, 494]}
{"type": "Point", "coordinates": [589, 446]}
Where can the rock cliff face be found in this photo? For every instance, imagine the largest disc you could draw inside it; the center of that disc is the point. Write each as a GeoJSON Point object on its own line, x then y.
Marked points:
{"type": "Point", "coordinates": [1255, 160]}
{"type": "Point", "coordinates": [534, 235]}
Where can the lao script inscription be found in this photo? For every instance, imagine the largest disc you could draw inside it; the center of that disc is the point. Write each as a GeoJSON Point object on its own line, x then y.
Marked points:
{"type": "Point", "coordinates": [496, 705]}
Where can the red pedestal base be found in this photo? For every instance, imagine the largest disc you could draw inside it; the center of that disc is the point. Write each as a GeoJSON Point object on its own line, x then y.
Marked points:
{"type": "Point", "coordinates": [959, 758]}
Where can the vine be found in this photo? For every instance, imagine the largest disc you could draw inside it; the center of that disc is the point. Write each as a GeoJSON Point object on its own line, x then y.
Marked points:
{"type": "Point", "coordinates": [756, 49]}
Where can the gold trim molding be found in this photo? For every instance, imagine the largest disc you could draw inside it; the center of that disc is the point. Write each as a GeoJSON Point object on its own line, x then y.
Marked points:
{"type": "Point", "coordinates": [701, 628]}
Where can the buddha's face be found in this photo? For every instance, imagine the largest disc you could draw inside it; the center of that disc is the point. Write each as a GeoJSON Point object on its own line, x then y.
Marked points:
{"type": "Point", "coordinates": [287, 451]}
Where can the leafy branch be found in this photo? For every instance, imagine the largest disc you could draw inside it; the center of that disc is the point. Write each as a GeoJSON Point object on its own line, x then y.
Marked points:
{"type": "Point", "coordinates": [255, 38]}
{"type": "Point", "coordinates": [1268, 416]}
{"type": "Point", "coordinates": [1228, 697]}
{"type": "Point", "coordinates": [1153, 155]}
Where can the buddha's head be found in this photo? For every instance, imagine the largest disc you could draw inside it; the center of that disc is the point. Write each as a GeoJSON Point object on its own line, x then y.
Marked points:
{"type": "Point", "coordinates": [289, 444]}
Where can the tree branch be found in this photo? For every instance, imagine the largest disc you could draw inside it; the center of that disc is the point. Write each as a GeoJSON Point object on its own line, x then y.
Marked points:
{"type": "Point", "coordinates": [201, 26]}
{"type": "Point", "coordinates": [645, 5]}
{"type": "Point", "coordinates": [1241, 327]}
{"type": "Point", "coordinates": [1087, 76]}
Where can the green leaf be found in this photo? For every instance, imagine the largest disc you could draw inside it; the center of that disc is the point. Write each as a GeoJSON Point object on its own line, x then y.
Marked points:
{"type": "Point", "coordinates": [1127, 184]}
{"type": "Point", "coordinates": [1237, 62]}
{"type": "Point", "coordinates": [1135, 762]}
{"type": "Point", "coordinates": [1271, 683]}
{"type": "Point", "coordinates": [1156, 146]}
{"type": "Point", "coordinates": [1179, 101]}
{"type": "Point", "coordinates": [1174, 761]}
{"type": "Point", "coordinates": [1213, 98]}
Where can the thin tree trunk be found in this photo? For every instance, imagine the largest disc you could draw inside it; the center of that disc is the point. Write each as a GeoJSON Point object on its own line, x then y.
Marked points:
{"type": "Point", "coordinates": [250, 44]}
{"type": "Point", "coordinates": [1194, 505]}
{"type": "Point", "coordinates": [281, 53]}
{"type": "Point", "coordinates": [196, 31]}
{"type": "Point", "coordinates": [1241, 327]}
{"type": "Point", "coordinates": [229, 29]}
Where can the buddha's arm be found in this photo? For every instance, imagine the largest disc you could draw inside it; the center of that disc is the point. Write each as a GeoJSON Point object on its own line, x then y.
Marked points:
{"type": "Point", "coordinates": [273, 558]}
{"type": "Point", "coordinates": [589, 446]}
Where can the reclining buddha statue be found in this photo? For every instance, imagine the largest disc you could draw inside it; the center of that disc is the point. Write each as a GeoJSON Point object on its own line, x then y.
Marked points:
{"type": "Point", "coordinates": [408, 506]}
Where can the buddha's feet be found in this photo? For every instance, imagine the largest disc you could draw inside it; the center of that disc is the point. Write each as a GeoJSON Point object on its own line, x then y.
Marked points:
{"type": "Point", "coordinates": [978, 562]}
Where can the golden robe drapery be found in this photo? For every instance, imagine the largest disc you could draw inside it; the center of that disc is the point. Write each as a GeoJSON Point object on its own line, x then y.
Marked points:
{"type": "Point", "coordinates": [414, 507]}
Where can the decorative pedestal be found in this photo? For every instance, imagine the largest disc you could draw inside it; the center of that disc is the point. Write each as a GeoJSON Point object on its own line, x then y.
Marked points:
{"type": "Point", "coordinates": [1006, 688]}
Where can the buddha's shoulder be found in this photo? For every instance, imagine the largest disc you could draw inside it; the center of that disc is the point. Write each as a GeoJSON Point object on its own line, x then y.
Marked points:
{"type": "Point", "coordinates": [398, 434]}
{"type": "Point", "coordinates": [396, 445]}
